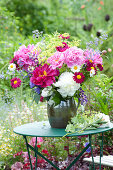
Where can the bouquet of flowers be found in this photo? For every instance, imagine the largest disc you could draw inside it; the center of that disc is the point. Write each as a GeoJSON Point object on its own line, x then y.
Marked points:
{"type": "Point", "coordinates": [55, 68]}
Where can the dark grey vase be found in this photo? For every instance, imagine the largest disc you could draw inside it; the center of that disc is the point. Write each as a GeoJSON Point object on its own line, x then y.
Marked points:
{"type": "Point", "coordinates": [60, 115]}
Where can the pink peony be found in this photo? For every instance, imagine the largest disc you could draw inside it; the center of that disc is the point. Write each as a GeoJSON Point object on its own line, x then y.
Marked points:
{"type": "Point", "coordinates": [25, 57]}
{"type": "Point", "coordinates": [93, 56]}
{"type": "Point", "coordinates": [56, 60]}
{"type": "Point", "coordinates": [33, 140]}
{"type": "Point", "coordinates": [17, 166]}
{"type": "Point", "coordinates": [44, 75]}
{"type": "Point", "coordinates": [62, 49]}
{"type": "Point", "coordinates": [74, 56]}
{"type": "Point", "coordinates": [15, 82]}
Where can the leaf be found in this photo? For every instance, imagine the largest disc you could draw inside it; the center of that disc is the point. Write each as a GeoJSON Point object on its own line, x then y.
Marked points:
{"type": "Point", "coordinates": [36, 98]}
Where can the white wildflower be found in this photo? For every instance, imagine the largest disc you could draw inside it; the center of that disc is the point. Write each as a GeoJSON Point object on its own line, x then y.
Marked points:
{"type": "Point", "coordinates": [12, 67]}
{"type": "Point", "coordinates": [92, 72]}
{"type": "Point", "coordinates": [75, 68]}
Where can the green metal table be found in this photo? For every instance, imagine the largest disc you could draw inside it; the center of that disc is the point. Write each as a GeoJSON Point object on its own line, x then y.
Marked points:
{"type": "Point", "coordinates": [43, 129]}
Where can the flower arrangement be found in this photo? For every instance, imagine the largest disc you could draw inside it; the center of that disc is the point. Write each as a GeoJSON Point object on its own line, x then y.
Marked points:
{"type": "Point", "coordinates": [55, 68]}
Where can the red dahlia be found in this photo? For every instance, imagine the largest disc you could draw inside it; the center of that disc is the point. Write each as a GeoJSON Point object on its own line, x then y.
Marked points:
{"type": "Point", "coordinates": [79, 77]}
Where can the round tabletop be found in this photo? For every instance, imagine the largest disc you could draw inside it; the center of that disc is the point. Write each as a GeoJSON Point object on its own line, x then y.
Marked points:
{"type": "Point", "coordinates": [43, 129]}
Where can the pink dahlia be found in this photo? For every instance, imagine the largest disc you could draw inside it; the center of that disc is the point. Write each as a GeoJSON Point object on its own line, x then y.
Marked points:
{"type": "Point", "coordinates": [15, 82]}
{"type": "Point", "coordinates": [56, 60]}
{"type": "Point", "coordinates": [25, 57]}
{"type": "Point", "coordinates": [44, 75]}
{"type": "Point", "coordinates": [74, 56]}
{"type": "Point", "coordinates": [78, 77]}
{"type": "Point", "coordinates": [62, 49]}
{"type": "Point", "coordinates": [93, 56]}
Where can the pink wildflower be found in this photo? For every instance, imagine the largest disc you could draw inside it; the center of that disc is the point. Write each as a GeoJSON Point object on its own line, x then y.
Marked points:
{"type": "Point", "coordinates": [74, 56]}
{"type": "Point", "coordinates": [93, 56]}
{"type": "Point", "coordinates": [44, 75]}
{"type": "Point", "coordinates": [15, 82]}
{"type": "Point", "coordinates": [17, 154]}
{"type": "Point", "coordinates": [62, 49]}
{"type": "Point", "coordinates": [17, 166]}
{"type": "Point", "coordinates": [56, 60]}
{"type": "Point", "coordinates": [33, 140]}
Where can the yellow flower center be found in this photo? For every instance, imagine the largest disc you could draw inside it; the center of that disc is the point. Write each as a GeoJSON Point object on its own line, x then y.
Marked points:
{"type": "Point", "coordinates": [92, 68]}
{"type": "Point", "coordinates": [75, 67]}
{"type": "Point", "coordinates": [11, 66]}
{"type": "Point", "coordinates": [45, 73]}
{"type": "Point", "coordinates": [102, 65]}
{"type": "Point", "coordinates": [15, 81]}
{"type": "Point", "coordinates": [90, 61]}
{"type": "Point", "coordinates": [78, 76]}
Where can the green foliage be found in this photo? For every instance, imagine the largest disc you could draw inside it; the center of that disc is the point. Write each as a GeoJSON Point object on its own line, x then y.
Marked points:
{"type": "Point", "coordinates": [79, 123]}
{"type": "Point", "coordinates": [30, 14]}
{"type": "Point", "coordinates": [102, 98]}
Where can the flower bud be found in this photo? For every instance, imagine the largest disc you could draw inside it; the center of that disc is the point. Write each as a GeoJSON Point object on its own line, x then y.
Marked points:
{"type": "Point", "coordinates": [109, 49]}
{"type": "Point", "coordinates": [98, 34]}
{"type": "Point", "coordinates": [107, 17]}
{"type": "Point", "coordinates": [85, 27]}
{"type": "Point", "coordinates": [104, 52]}
{"type": "Point", "coordinates": [89, 27]}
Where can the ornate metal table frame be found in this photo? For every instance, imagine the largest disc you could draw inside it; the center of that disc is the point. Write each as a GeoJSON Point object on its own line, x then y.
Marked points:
{"type": "Point", "coordinates": [43, 129]}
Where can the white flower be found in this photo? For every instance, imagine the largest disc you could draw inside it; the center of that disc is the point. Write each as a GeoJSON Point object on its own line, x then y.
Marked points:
{"type": "Point", "coordinates": [92, 72]}
{"type": "Point", "coordinates": [46, 92]}
{"type": "Point", "coordinates": [75, 68]}
{"type": "Point", "coordinates": [12, 67]}
{"type": "Point", "coordinates": [104, 118]}
{"type": "Point", "coordinates": [67, 86]}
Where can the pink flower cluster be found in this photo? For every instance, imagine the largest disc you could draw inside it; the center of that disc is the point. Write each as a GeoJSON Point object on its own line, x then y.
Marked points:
{"type": "Point", "coordinates": [74, 56]}
{"type": "Point", "coordinates": [25, 57]}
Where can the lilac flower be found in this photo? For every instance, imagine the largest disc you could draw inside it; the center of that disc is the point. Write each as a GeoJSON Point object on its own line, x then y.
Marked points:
{"type": "Point", "coordinates": [83, 98]}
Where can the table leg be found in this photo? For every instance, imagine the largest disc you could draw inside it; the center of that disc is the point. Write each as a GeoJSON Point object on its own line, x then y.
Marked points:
{"type": "Point", "coordinates": [36, 153]}
{"type": "Point", "coordinates": [101, 151]}
{"type": "Point", "coordinates": [91, 152]}
{"type": "Point", "coordinates": [28, 152]}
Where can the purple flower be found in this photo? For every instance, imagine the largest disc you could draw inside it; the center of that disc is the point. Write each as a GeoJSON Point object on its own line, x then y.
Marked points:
{"type": "Point", "coordinates": [37, 90]}
{"type": "Point", "coordinates": [31, 84]}
{"type": "Point", "coordinates": [89, 149]}
{"type": "Point", "coordinates": [83, 98]}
